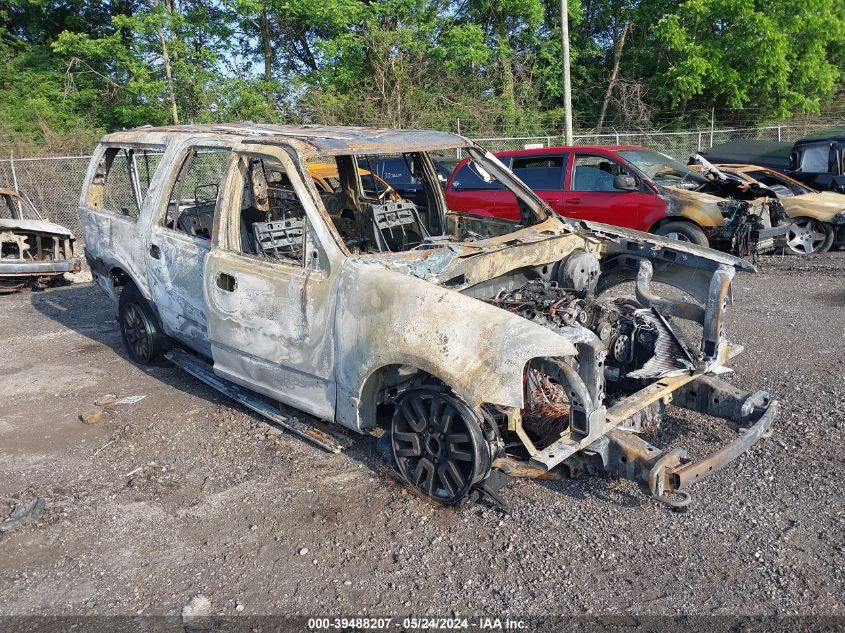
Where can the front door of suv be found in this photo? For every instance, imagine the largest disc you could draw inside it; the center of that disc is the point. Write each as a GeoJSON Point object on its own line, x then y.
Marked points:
{"type": "Point", "coordinates": [269, 284]}
{"type": "Point", "coordinates": [591, 193]}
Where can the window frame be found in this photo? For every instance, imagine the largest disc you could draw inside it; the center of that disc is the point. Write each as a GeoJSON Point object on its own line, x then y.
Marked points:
{"type": "Point", "coordinates": [230, 234]}
{"type": "Point", "coordinates": [564, 156]}
{"type": "Point", "coordinates": [181, 155]}
{"type": "Point", "coordinates": [96, 184]}
{"type": "Point", "coordinates": [570, 180]}
{"type": "Point", "coordinates": [812, 147]}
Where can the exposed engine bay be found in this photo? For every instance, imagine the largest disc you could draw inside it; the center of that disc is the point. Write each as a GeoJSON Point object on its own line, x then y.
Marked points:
{"type": "Point", "coordinates": [748, 210]}
{"type": "Point", "coordinates": [640, 342]}
{"type": "Point", "coordinates": [634, 345]}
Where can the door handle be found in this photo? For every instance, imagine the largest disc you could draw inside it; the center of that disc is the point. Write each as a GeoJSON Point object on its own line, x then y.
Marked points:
{"type": "Point", "coordinates": [155, 251]}
{"type": "Point", "coordinates": [226, 282]}
{"type": "Point", "coordinates": [573, 200]}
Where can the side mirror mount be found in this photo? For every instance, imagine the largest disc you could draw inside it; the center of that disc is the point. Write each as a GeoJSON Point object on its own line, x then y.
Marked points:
{"type": "Point", "coordinates": [623, 182]}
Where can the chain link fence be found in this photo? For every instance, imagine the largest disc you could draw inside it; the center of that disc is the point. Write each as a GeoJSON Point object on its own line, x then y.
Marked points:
{"type": "Point", "coordinates": [53, 183]}
{"type": "Point", "coordinates": [679, 145]}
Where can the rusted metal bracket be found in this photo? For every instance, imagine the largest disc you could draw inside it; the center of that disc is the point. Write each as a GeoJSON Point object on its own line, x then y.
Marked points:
{"type": "Point", "coordinates": [663, 474]}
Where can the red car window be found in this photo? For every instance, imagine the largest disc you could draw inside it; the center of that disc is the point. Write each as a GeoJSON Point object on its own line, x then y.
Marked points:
{"type": "Point", "coordinates": [468, 179]}
{"type": "Point", "coordinates": [592, 172]}
{"type": "Point", "coordinates": [541, 173]}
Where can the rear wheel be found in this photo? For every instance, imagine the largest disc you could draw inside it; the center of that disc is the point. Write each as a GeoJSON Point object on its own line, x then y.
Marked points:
{"type": "Point", "coordinates": [139, 325]}
{"type": "Point", "coordinates": [683, 232]}
{"type": "Point", "coordinates": [807, 236]}
{"type": "Point", "coordinates": [438, 444]}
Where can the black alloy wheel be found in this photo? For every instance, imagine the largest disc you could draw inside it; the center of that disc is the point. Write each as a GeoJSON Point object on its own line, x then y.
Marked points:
{"type": "Point", "coordinates": [438, 444]}
{"type": "Point", "coordinates": [140, 328]}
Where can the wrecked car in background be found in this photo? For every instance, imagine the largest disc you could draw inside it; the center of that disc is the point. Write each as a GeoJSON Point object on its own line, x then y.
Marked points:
{"type": "Point", "coordinates": [33, 251]}
{"type": "Point", "coordinates": [816, 218]}
{"type": "Point", "coordinates": [480, 345]}
{"type": "Point", "coordinates": [632, 187]}
{"type": "Point", "coordinates": [817, 161]}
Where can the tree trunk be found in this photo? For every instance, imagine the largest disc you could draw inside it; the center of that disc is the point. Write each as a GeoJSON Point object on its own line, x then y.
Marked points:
{"type": "Point", "coordinates": [169, 75]}
{"type": "Point", "coordinates": [268, 56]}
{"type": "Point", "coordinates": [614, 73]}
{"type": "Point", "coordinates": [508, 84]}
{"type": "Point", "coordinates": [174, 34]}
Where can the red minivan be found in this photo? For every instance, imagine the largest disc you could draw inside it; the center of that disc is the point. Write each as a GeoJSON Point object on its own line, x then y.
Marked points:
{"type": "Point", "coordinates": [620, 185]}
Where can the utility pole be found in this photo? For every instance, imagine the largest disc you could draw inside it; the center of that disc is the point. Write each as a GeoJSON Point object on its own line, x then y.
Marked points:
{"type": "Point", "coordinates": [567, 85]}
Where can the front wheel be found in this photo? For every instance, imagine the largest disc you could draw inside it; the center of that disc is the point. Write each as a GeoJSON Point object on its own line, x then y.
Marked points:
{"type": "Point", "coordinates": [807, 236]}
{"type": "Point", "coordinates": [139, 325]}
{"type": "Point", "coordinates": [683, 232]}
{"type": "Point", "coordinates": [438, 444]}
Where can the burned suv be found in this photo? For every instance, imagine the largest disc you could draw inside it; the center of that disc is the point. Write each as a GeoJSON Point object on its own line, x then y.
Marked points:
{"type": "Point", "coordinates": [33, 251]}
{"type": "Point", "coordinates": [481, 346]}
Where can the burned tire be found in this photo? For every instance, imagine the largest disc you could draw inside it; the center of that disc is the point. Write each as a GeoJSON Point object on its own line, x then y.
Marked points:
{"type": "Point", "coordinates": [139, 325]}
{"type": "Point", "coordinates": [683, 232]}
{"type": "Point", "coordinates": [807, 236]}
{"type": "Point", "coordinates": [438, 444]}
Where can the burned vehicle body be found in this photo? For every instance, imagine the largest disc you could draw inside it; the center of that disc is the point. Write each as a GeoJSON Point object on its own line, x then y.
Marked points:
{"type": "Point", "coordinates": [816, 218]}
{"type": "Point", "coordinates": [33, 251]}
{"type": "Point", "coordinates": [480, 344]}
{"type": "Point", "coordinates": [738, 218]}
{"type": "Point", "coordinates": [627, 186]}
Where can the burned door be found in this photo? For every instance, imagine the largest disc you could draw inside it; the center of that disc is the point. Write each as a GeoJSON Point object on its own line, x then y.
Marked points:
{"type": "Point", "coordinates": [180, 238]}
{"type": "Point", "coordinates": [269, 286]}
{"type": "Point", "coordinates": [115, 210]}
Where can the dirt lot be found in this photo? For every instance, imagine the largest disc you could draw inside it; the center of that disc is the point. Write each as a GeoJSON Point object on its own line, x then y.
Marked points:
{"type": "Point", "coordinates": [185, 493]}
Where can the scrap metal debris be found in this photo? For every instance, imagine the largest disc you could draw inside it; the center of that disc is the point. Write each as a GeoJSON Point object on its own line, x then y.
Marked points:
{"type": "Point", "coordinates": [24, 512]}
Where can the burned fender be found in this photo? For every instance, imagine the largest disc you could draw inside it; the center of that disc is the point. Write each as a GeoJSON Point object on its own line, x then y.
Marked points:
{"type": "Point", "coordinates": [702, 208]}
{"type": "Point", "coordinates": [386, 318]}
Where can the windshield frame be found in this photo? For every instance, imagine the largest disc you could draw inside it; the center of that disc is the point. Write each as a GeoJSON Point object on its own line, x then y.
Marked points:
{"type": "Point", "coordinates": [667, 161]}
{"type": "Point", "coordinates": [535, 210]}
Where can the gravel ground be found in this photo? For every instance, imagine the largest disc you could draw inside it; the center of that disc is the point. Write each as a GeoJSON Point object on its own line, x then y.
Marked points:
{"type": "Point", "coordinates": [185, 493]}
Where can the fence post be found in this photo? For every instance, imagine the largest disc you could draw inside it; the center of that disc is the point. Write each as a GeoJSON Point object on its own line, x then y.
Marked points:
{"type": "Point", "coordinates": [712, 124]}
{"type": "Point", "coordinates": [14, 177]}
{"type": "Point", "coordinates": [617, 139]}
{"type": "Point", "coordinates": [778, 132]}
{"type": "Point", "coordinates": [699, 140]}
{"type": "Point", "coordinates": [458, 149]}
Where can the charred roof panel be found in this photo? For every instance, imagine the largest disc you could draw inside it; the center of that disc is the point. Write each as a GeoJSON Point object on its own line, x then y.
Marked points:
{"type": "Point", "coordinates": [321, 139]}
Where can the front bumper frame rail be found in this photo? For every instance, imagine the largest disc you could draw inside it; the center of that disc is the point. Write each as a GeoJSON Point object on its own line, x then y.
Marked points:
{"type": "Point", "coordinates": [666, 474]}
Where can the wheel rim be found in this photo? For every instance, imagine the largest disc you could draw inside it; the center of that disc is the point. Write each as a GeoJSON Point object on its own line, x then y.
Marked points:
{"type": "Point", "coordinates": [805, 236]}
{"type": "Point", "coordinates": [681, 237]}
{"type": "Point", "coordinates": [138, 331]}
{"type": "Point", "coordinates": [436, 448]}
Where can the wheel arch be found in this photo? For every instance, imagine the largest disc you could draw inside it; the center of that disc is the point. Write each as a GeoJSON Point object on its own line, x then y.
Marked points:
{"type": "Point", "coordinates": [389, 376]}
{"type": "Point", "coordinates": [675, 218]}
